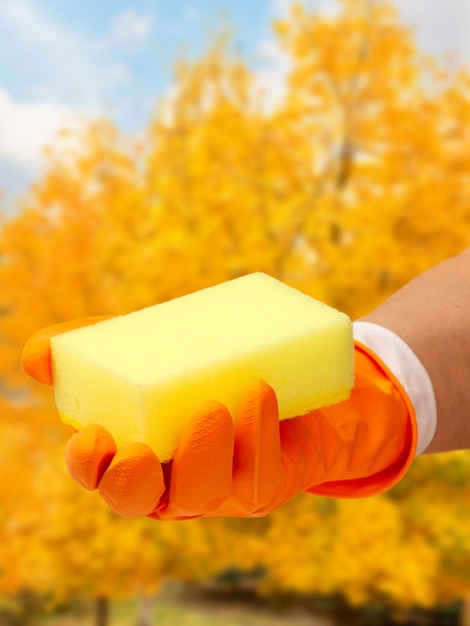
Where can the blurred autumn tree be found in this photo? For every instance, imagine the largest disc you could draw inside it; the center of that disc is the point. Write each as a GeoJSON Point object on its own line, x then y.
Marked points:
{"type": "Point", "coordinates": [354, 183]}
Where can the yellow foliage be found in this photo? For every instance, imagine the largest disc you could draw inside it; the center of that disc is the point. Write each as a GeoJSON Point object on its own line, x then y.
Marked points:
{"type": "Point", "coordinates": [350, 187]}
{"type": "Point", "coordinates": [362, 550]}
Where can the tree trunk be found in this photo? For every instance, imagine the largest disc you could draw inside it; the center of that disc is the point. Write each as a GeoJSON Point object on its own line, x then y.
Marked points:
{"type": "Point", "coordinates": [144, 611]}
{"type": "Point", "coordinates": [102, 611]}
{"type": "Point", "coordinates": [465, 613]}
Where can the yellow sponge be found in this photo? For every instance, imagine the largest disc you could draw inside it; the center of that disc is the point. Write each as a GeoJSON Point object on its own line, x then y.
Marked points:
{"type": "Point", "coordinates": [142, 375]}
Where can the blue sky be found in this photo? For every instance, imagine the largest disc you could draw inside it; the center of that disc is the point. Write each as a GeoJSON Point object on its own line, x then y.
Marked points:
{"type": "Point", "coordinates": [59, 57]}
{"type": "Point", "coordinates": [112, 52]}
{"type": "Point", "coordinates": [62, 57]}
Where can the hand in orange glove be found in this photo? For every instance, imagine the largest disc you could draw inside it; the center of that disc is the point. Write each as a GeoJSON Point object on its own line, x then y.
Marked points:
{"type": "Point", "coordinates": [249, 466]}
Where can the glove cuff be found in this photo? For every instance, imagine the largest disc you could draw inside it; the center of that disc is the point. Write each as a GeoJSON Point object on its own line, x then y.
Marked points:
{"type": "Point", "coordinates": [379, 423]}
{"type": "Point", "coordinates": [408, 370]}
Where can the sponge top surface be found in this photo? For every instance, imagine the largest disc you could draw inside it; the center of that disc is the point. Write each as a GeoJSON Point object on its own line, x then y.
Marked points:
{"type": "Point", "coordinates": [235, 317]}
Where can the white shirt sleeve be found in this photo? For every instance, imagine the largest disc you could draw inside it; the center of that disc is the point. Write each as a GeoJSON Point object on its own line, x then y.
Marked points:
{"type": "Point", "coordinates": [409, 370]}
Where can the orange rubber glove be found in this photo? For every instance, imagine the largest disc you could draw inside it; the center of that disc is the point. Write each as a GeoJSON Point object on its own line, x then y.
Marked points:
{"type": "Point", "coordinates": [249, 466]}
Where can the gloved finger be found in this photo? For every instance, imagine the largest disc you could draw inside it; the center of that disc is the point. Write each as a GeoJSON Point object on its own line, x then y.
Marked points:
{"type": "Point", "coordinates": [302, 452]}
{"type": "Point", "coordinates": [36, 354]}
{"type": "Point", "coordinates": [201, 473]}
{"type": "Point", "coordinates": [133, 483]}
{"type": "Point", "coordinates": [257, 469]}
{"type": "Point", "coordinates": [88, 454]}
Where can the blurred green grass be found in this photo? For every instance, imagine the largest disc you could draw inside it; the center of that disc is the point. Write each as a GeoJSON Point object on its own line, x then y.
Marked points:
{"type": "Point", "coordinates": [180, 611]}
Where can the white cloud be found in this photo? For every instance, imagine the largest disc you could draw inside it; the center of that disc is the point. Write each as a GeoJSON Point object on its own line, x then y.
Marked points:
{"type": "Point", "coordinates": [51, 61]}
{"type": "Point", "coordinates": [191, 14]}
{"type": "Point", "coordinates": [52, 72]}
{"type": "Point", "coordinates": [119, 74]}
{"type": "Point", "coordinates": [25, 129]}
{"type": "Point", "coordinates": [130, 27]}
{"type": "Point", "coordinates": [441, 27]}
{"type": "Point", "coordinates": [76, 67]}
{"type": "Point", "coordinates": [281, 8]}
{"type": "Point", "coordinates": [272, 73]}
{"type": "Point", "coordinates": [31, 25]}
{"type": "Point", "coordinates": [328, 8]}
